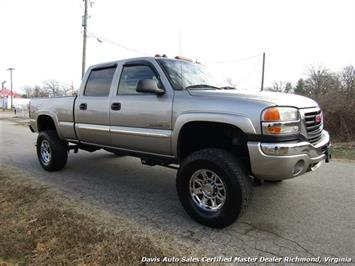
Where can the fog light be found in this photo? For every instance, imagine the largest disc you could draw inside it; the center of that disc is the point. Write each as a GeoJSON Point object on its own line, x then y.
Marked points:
{"type": "Point", "coordinates": [299, 167]}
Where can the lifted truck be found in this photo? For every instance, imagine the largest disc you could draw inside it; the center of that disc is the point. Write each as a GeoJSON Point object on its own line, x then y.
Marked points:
{"type": "Point", "coordinates": [172, 112]}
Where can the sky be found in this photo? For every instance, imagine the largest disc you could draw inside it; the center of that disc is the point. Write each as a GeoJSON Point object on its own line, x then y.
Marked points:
{"type": "Point", "coordinates": [42, 39]}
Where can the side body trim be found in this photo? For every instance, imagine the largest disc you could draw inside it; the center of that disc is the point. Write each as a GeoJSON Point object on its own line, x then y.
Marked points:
{"type": "Point", "coordinates": [144, 132]}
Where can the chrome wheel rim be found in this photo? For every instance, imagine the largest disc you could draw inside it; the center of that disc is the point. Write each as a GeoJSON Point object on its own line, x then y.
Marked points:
{"type": "Point", "coordinates": [46, 153]}
{"type": "Point", "coordinates": [207, 190]}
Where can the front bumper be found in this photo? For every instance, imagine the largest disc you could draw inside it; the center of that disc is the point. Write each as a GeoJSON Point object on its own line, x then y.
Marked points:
{"type": "Point", "coordinates": [283, 160]}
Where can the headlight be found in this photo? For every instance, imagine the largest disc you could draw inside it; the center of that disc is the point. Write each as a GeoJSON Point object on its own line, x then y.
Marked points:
{"type": "Point", "coordinates": [280, 121]}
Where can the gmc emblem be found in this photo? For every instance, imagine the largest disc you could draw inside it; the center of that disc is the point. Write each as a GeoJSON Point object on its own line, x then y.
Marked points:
{"type": "Point", "coordinates": [318, 119]}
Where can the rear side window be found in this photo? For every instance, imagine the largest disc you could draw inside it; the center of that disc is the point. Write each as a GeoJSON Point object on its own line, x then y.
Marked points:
{"type": "Point", "coordinates": [99, 82]}
{"type": "Point", "coordinates": [131, 75]}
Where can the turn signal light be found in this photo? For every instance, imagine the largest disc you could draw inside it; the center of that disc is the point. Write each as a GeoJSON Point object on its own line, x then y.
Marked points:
{"type": "Point", "coordinates": [281, 120]}
{"type": "Point", "coordinates": [271, 114]}
{"type": "Point", "coordinates": [274, 130]}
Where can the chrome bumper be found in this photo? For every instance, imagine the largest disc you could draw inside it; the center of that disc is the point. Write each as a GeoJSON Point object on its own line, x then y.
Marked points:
{"type": "Point", "coordinates": [277, 161]}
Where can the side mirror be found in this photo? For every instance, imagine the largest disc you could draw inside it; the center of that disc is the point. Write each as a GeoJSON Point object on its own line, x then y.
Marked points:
{"type": "Point", "coordinates": [149, 86]}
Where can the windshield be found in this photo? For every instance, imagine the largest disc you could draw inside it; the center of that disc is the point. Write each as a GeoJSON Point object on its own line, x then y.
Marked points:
{"type": "Point", "coordinates": [188, 75]}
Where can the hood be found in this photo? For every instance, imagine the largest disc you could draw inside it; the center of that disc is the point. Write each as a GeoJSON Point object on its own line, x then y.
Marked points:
{"type": "Point", "coordinates": [271, 98]}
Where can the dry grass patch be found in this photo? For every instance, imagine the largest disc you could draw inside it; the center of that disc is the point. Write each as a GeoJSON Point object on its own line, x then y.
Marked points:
{"type": "Point", "coordinates": [37, 229]}
{"type": "Point", "coordinates": [345, 150]}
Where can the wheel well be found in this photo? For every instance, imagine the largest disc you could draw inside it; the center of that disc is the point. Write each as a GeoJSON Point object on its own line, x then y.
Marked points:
{"type": "Point", "coordinates": [45, 122]}
{"type": "Point", "coordinates": [195, 136]}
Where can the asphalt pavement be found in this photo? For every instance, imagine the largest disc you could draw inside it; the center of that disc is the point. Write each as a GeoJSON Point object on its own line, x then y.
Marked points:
{"type": "Point", "coordinates": [309, 216]}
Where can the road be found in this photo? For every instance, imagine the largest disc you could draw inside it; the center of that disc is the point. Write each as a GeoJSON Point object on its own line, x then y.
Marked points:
{"type": "Point", "coordinates": [308, 216]}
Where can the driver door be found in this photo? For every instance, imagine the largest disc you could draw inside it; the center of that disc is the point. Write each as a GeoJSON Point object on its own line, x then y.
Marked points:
{"type": "Point", "coordinates": [140, 121]}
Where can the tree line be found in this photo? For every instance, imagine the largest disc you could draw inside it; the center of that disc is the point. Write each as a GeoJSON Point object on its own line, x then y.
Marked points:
{"type": "Point", "coordinates": [334, 92]}
{"type": "Point", "coordinates": [49, 88]}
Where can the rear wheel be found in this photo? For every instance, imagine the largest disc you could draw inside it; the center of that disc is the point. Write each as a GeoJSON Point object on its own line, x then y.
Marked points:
{"type": "Point", "coordinates": [51, 151]}
{"type": "Point", "coordinates": [213, 187]}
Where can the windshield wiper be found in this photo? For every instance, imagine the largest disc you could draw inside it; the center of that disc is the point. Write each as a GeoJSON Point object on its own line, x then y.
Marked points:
{"type": "Point", "coordinates": [228, 88]}
{"type": "Point", "coordinates": [198, 86]}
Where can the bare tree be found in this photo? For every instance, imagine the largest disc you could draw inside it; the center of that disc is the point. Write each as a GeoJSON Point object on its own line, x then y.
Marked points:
{"type": "Point", "coordinates": [28, 91]}
{"type": "Point", "coordinates": [54, 88]}
{"type": "Point", "coordinates": [320, 81]}
{"type": "Point", "coordinates": [335, 93]}
{"type": "Point", "coordinates": [300, 88]}
{"type": "Point", "coordinates": [50, 88]}
{"type": "Point", "coordinates": [280, 86]}
{"type": "Point", "coordinates": [67, 90]}
{"type": "Point", "coordinates": [347, 79]}
{"type": "Point", "coordinates": [36, 91]}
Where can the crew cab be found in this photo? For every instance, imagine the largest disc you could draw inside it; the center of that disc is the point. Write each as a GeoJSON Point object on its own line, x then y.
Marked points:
{"type": "Point", "coordinates": [174, 113]}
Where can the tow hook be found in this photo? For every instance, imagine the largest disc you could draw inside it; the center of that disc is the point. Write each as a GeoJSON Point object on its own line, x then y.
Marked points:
{"type": "Point", "coordinates": [328, 154]}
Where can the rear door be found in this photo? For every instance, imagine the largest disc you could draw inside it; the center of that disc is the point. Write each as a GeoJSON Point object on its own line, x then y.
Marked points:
{"type": "Point", "coordinates": [93, 105]}
{"type": "Point", "coordinates": [141, 121]}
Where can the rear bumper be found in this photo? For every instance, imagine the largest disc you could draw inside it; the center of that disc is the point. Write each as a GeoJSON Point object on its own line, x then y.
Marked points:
{"type": "Point", "coordinates": [277, 161]}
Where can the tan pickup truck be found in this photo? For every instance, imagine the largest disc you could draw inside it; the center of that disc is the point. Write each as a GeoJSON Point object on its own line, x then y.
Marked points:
{"type": "Point", "coordinates": [174, 113]}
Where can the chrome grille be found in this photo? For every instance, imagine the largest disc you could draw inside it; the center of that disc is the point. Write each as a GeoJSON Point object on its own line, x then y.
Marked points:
{"type": "Point", "coordinates": [313, 127]}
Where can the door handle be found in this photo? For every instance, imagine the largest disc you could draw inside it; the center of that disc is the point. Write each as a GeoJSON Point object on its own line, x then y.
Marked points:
{"type": "Point", "coordinates": [83, 106]}
{"type": "Point", "coordinates": [116, 106]}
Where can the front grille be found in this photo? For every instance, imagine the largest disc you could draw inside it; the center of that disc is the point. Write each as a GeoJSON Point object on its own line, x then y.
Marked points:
{"type": "Point", "coordinates": [313, 127]}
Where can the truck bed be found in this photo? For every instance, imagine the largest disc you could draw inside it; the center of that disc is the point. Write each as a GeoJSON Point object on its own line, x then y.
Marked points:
{"type": "Point", "coordinates": [61, 109]}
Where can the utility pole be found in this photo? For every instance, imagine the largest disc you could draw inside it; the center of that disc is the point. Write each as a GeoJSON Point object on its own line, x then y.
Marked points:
{"type": "Point", "coordinates": [84, 24]}
{"type": "Point", "coordinates": [11, 69]}
{"type": "Point", "coordinates": [3, 99]}
{"type": "Point", "coordinates": [262, 73]}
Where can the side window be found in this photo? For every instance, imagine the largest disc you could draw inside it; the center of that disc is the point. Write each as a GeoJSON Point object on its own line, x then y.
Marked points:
{"type": "Point", "coordinates": [131, 75]}
{"type": "Point", "coordinates": [99, 82]}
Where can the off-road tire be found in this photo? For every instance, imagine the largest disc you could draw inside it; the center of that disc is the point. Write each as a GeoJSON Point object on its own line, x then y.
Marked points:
{"type": "Point", "coordinates": [234, 176]}
{"type": "Point", "coordinates": [58, 150]}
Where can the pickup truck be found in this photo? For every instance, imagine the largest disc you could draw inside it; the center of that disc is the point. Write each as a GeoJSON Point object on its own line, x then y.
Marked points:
{"type": "Point", "coordinates": [172, 112]}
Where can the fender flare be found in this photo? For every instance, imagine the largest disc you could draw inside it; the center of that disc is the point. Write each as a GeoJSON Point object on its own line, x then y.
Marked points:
{"type": "Point", "coordinates": [54, 118]}
{"type": "Point", "coordinates": [239, 121]}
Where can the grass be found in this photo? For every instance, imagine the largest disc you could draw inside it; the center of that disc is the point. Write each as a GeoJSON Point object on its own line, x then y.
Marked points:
{"type": "Point", "coordinates": [36, 228]}
{"type": "Point", "coordinates": [344, 151]}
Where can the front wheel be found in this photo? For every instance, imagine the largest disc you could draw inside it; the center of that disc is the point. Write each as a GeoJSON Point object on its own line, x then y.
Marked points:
{"type": "Point", "coordinates": [51, 151]}
{"type": "Point", "coordinates": [213, 187]}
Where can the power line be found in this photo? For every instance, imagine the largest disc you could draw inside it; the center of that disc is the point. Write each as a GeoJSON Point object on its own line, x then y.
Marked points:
{"type": "Point", "coordinates": [250, 73]}
{"type": "Point", "coordinates": [101, 40]}
{"type": "Point", "coordinates": [232, 61]}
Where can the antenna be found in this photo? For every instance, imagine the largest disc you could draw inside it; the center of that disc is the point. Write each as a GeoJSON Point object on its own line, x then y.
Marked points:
{"type": "Point", "coordinates": [180, 46]}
